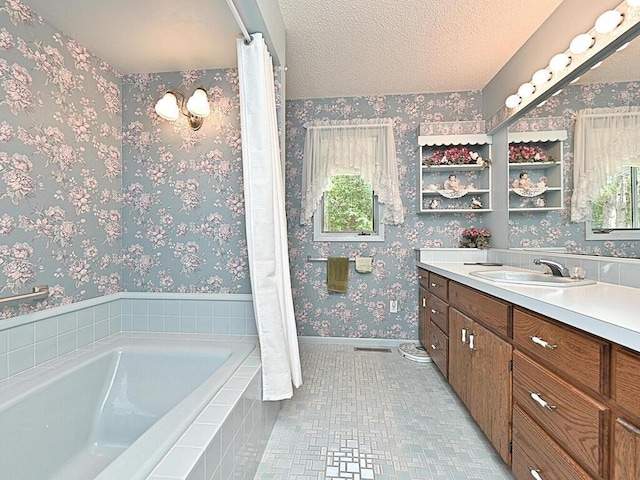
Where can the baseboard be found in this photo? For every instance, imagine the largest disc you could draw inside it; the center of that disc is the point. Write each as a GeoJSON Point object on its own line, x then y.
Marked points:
{"type": "Point", "coordinates": [367, 342]}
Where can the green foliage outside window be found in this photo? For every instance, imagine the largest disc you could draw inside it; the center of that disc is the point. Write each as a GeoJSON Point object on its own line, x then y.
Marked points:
{"type": "Point", "coordinates": [348, 205]}
{"type": "Point", "coordinates": [620, 185]}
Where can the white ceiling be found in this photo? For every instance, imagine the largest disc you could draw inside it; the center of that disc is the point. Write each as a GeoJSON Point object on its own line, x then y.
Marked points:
{"type": "Point", "coordinates": [334, 47]}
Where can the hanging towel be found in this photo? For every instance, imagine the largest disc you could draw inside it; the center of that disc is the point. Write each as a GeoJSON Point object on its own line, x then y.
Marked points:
{"type": "Point", "coordinates": [337, 274]}
{"type": "Point", "coordinates": [364, 264]}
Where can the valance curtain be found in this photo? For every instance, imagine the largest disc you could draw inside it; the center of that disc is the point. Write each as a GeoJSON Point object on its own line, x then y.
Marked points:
{"type": "Point", "coordinates": [364, 147]}
{"type": "Point", "coordinates": [266, 222]}
{"type": "Point", "coordinates": [605, 140]}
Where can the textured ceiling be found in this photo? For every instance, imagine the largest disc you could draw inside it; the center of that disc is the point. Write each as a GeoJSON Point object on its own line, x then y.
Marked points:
{"type": "Point", "coordinates": [334, 47]}
{"type": "Point", "coordinates": [148, 35]}
{"type": "Point", "coordinates": [366, 47]}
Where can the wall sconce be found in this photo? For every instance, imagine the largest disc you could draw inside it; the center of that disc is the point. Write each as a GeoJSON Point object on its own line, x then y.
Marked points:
{"type": "Point", "coordinates": [196, 108]}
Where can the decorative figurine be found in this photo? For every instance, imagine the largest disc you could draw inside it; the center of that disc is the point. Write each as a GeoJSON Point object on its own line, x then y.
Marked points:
{"type": "Point", "coordinates": [524, 181]}
{"type": "Point", "coordinates": [476, 203]}
{"type": "Point", "coordinates": [434, 204]}
{"type": "Point", "coordinates": [451, 183]}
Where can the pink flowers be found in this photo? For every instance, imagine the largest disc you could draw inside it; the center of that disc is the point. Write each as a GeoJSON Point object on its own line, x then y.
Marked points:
{"type": "Point", "coordinates": [475, 238]}
{"type": "Point", "coordinates": [527, 154]}
{"type": "Point", "coordinates": [456, 156]}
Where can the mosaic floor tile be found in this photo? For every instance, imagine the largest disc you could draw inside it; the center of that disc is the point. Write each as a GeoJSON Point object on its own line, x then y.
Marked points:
{"type": "Point", "coordinates": [375, 416]}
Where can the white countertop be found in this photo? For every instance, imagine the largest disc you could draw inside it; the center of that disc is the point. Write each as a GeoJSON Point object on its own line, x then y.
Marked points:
{"type": "Point", "coordinates": [606, 310]}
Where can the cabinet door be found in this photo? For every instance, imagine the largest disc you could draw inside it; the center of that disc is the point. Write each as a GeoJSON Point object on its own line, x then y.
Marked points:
{"type": "Point", "coordinates": [626, 450]}
{"type": "Point", "coordinates": [459, 355]}
{"type": "Point", "coordinates": [491, 387]}
{"type": "Point", "coordinates": [423, 317]}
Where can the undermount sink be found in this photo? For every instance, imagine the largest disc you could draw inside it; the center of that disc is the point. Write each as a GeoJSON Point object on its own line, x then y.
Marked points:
{"type": "Point", "coordinates": [530, 278]}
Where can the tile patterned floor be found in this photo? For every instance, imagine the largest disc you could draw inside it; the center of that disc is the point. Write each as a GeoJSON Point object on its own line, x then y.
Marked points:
{"type": "Point", "coordinates": [375, 416]}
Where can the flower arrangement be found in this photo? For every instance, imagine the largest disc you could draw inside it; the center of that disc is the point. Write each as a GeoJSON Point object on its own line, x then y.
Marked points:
{"type": "Point", "coordinates": [527, 154]}
{"type": "Point", "coordinates": [456, 156]}
{"type": "Point", "coordinates": [475, 238]}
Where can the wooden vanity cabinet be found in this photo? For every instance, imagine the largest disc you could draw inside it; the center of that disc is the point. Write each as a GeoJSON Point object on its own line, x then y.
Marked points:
{"type": "Point", "coordinates": [434, 318]}
{"type": "Point", "coordinates": [625, 391]}
{"type": "Point", "coordinates": [568, 400]}
{"type": "Point", "coordinates": [479, 372]}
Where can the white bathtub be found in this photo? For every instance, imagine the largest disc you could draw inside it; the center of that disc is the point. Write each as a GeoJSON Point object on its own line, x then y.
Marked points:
{"type": "Point", "coordinates": [111, 411]}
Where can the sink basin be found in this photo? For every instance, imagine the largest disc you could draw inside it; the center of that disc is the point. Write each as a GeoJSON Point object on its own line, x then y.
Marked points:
{"type": "Point", "coordinates": [530, 278]}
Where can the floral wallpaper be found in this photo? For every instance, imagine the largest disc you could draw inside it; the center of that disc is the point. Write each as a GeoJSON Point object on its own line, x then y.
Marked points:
{"type": "Point", "coordinates": [183, 203]}
{"type": "Point", "coordinates": [553, 229]}
{"type": "Point", "coordinates": [60, 164]}
{"type": "Point", "coordinates": [364, 310]}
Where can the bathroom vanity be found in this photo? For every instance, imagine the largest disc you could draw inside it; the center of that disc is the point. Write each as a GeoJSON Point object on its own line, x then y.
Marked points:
{"type": "Point", "coordinates": [551, 379]}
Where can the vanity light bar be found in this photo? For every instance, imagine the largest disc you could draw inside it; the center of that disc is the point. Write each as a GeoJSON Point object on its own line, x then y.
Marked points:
{"type": "Point", "coordinates": [606, 23]}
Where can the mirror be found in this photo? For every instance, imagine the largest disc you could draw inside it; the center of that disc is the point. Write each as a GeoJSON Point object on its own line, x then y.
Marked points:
{"type": "Point", "coordinates": [616, 82]}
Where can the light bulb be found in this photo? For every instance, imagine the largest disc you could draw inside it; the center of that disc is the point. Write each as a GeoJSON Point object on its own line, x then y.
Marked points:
{"type": "Point", "coordinates": [608, 21]}
{"type": "Point", "coordinates": [167, 107]}
{"type": "Point", "coordinates": [512, 101]}
{"type": "Point", "coordinates": [540, 77]}
{"type": "Point", "coordinates": [526, 90]}
{"type": "Point", "coordinates": [559, 61]}
{"type": "Point", "coordinates": [198, 103]}
{"type": "Point", "coordinates": [581, 43]}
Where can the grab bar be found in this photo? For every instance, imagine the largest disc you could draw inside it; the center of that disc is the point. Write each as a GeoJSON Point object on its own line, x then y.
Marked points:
{"type": "Point", "coordinates": [39, 292]}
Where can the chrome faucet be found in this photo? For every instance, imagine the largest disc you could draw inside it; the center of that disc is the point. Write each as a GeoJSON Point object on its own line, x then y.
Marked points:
{"type": "Point", "coordinates": [557, 269]}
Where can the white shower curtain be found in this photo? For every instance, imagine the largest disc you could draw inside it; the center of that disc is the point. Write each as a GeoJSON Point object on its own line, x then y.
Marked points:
{"type": "Point", "coordinates": [266, 222]}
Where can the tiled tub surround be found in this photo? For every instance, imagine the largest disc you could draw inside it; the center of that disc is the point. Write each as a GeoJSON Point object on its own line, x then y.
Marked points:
{"type": "Point", "coordinates": [30, 340]}
{"type": "Point", "coordinates": [217, 431]}
{"type": "Point", "coordinates": [113, 410]}
{"type": "Point", "coordinates": [236, 425]}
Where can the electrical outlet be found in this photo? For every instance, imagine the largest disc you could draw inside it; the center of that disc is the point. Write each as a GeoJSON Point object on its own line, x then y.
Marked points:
{"type": "Point", "coordinates": [393, 306]}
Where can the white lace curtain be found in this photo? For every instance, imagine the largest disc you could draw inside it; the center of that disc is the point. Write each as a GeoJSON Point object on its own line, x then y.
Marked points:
{"type": "Point", "coordinates": [360, 147]}
{"type": "Point", "coordinates": [605, 140]}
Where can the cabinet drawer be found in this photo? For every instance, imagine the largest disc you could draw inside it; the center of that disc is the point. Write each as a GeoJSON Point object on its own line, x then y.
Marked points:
{"type": "Point", "coordinates": [438, 348]}
{"type": "Point", "coordinates": [438, 285]}
{"type": "Point", "coordinates": [534, 451]}
{"type": "Point", "coordinates": [626, 380]}
{"type": "Point", "coordinates": [488, 311]}
{"type": "Point", "coordinates": [439, 313]}
{"type": "Point", "coordinates": [569, 351]}
{"type": "Point", "coordinates": [423, 278]}
{"type": "Point", "coordinates": [569, 416]}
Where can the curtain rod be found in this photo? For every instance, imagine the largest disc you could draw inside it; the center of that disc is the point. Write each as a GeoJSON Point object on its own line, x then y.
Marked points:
{"type": "Point", "coordinates": [368, 125]}
{"type": "Point", "coordinates": [245, 33]}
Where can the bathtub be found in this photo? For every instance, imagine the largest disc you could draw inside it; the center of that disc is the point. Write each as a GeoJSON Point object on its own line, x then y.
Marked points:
{"type": "Point", "coordinates": [111, 411]}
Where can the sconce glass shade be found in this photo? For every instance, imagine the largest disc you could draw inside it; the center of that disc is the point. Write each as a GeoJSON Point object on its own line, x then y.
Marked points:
{"type": "Point", "coordinates": [581, 43]}
{"type": "Point", "coordinates": [559, 61]}
{"type": "Point", "coordinates": [540, 77]}
{"type": "Point", "coordinates": [526, 90]}
{"type": "Point", "coordinates": [512, 101]}
{"type": "Point", "coordinates": [198, 103]}
{"type": "Point", "coordinates": [608, 21]}
{"type": "Point", "coordinates": [167, 107]}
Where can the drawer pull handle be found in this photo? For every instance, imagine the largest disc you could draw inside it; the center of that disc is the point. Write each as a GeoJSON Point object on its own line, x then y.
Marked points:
{"type": "Point", "coordinates": [434, 311]}
{"type": "Point", "coordinates": [435, 285]}
{"type": "Point", "coordinates": [471, 337]}
{"type": "Point", "coordinates": [541, 401]}
{"type": "Point", "coordinates": [434, 346]}
{"type": "Point", "coordinates": [535, 473]}
{"type": "Point", "coordinates": [424, 302]}
{"type": "Point", "coordinates": [543, 343]}
{"type": "Point", "coordinates": [464, 335]}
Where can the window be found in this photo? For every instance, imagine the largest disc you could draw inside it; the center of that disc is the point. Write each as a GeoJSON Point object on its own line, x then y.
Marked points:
{"type": "Point", "coordinates": [349, 211]}
{"type": "Point", "coordinates": [345, 162]}
{"type": "Point", "coordinates": [615, 213]}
